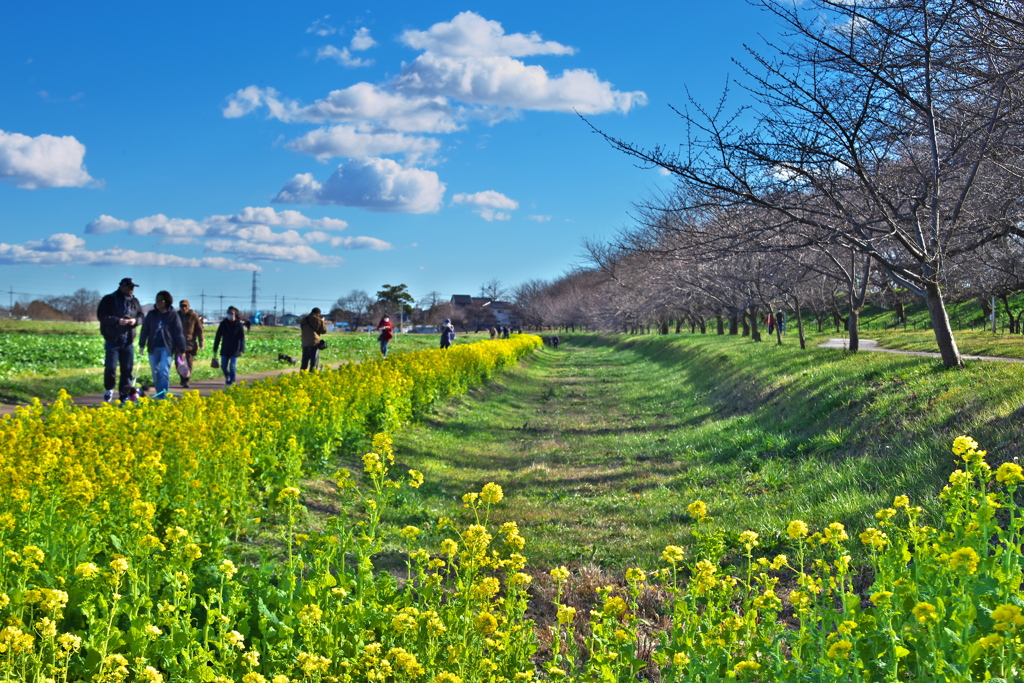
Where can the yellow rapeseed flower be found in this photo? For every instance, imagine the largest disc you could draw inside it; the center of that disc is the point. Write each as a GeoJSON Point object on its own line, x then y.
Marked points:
{"type": "Point", "coordinates": [698, 509]}
{"type": "Point", "coordinates": [559, 574]}
{"type": "Point", "coordinates": [797, 529]}
{"type": "Point", "coordinates": [964, 559]}
{"type": "Point", "coordinates": [1010, 473]}
{"type": "Point", "coordinates": [491, 493]}
{"type": "Point", "coordinates": [672, 554]}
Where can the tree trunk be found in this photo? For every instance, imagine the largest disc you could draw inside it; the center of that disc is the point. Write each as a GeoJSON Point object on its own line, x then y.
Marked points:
{"type": "Point", "coordinates": [734, 324]}
{"type": "Point", "coordinates": [663, 328]}
{"type": "Point", "coordinates": [719, 325]}
{"type": "Point", "coordinates": [679, 325]}
{"type": "Point", "coordinates": [755, 332]}
{"type": "Point", "coordinates": [853, 325]}
{"type": "Point", "coordinates": [800, 324]}
{"type": "Point", "coordinates": [940, 323]}
{"type": "Point", "coordinates": [745, 323]}
{"type": "Point", "coordinates": [901, 313]}
{"type": "Point", "coordinates": [702, 324]}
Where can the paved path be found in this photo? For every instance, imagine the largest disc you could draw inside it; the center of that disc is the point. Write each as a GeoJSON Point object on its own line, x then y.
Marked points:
{"type": "Point", "coordinates": [872, 345]}
{"type": "Point", "coordinates": [204, 387]}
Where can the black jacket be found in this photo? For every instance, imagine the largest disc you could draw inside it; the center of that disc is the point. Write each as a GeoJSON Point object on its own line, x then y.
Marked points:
{"type": "Point", "coordinates": [174, 338]}
{"type": "Point", "coordinates": [230, 338]}
{"type": "Point", "coordinates": [112, 308]}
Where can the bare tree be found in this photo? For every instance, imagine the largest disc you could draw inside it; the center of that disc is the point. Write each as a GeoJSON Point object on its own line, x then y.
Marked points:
{"type": "Point", "coordinates": [354, 307]}
{"type": "Point", "coordinates": [890, 127]}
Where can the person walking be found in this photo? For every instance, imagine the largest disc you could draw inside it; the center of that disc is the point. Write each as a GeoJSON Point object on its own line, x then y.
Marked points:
{"type": "Point", "coordinates": [119, 313]}
{"type": "Point", "coordinates": [192, 328]}
{"type": "Point", "coordinates": [769, 320]}
{"type": "Point", "coordinates": [161, 332]}
{"type": "Point", "coordinates": [230, 339]}
{"type": "Point", "coordinates": [385, 336]}
{"type": "Point", "coordinates": [311, 326]}
{"type": "Point", "coordinates": [447, 333]}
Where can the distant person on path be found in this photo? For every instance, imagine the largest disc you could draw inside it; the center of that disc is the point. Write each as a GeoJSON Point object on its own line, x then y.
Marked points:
{"type": "Point", "coordinates": [161, 332]}
{"type": "Point", "coordinates": [494, 333]}
{"type": "Point", "coordinates": [312, 326]}
{"type": "Point", "coordinates": [192, 328]}
{"type": "Point", "coordinates": [230, 340]}
{"type": "Point", "coordinates": [780, 320]}
{"type": "Point", "coordinates": [385, 335]}
{"type": "Point", "coordinates": [554, 341]}
{"type": "Point", "coordinates": [769, 320]}
{"type": "Point", "coordinates": [447, 333]}
{"type": "Point", "coordinates": [504, 332]}
{"type": "Point", "coordinates": [119, 314]}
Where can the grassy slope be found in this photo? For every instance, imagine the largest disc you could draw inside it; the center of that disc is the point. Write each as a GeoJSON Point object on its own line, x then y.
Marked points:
{"type": "Point", "coordinates": [600, 446]}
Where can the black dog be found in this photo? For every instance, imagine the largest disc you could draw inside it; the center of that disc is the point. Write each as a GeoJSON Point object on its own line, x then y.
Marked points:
{"type": "Point", "coordinates": [286, 359]}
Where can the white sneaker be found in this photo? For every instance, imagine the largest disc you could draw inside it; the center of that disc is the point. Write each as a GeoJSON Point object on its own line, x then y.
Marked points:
{"type": "Point", "coordinates": [108, 396]}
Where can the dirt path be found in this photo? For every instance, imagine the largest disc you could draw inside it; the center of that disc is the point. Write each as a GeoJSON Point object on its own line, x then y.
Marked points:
{"type": "Point", "coordinates": [872, 345]}
{"type": "Point", "coordinates": [204, 387]}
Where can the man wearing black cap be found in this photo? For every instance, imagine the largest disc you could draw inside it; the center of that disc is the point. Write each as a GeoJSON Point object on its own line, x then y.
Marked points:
{"type": "Point", "coordinates": [119, 314]}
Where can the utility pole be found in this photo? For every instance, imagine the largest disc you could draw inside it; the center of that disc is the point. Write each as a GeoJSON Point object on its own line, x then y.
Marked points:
{"type": "Point", "coordinates": [11, 305]}
{"type": "Point", "coordinates": [202, 298]}
{"type": "Point", "coordinates": [284, 310]}
{"type": "Point", "coordinates": [222, 305]}
{"type": "Point", "coordinates": [253, 302]}
{"type": "Point", "coordinates": [275, 307]}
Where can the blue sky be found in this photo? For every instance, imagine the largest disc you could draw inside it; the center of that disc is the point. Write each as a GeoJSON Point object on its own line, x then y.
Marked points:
{"type": "Point", "coordinates": [333, 146]}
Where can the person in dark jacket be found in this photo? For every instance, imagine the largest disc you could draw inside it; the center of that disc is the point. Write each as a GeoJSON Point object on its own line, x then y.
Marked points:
{"type": "Point", "coordinates": [385, 335]}
{"type": "Point", "coordinates": [192, 328]}
{"type": "Point", "coordinates": [119, 314]}
{"type": "Point", "coordinates": [311, 326]}
{"type": "Point", "coordinates": [447, 333]}
{"type": "Point", "coordinates": [161, 332]}
{"type": "Point", "coordinates": [230, 340]}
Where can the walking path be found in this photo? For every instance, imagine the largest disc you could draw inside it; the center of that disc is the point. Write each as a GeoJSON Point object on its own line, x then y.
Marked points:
{"type": "Point", "coordinates": [872, 345]}
{"type": "Point", "coordinates": [205, 387]}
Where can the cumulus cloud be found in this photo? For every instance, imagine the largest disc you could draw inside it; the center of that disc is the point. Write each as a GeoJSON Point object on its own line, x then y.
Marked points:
{"type": "Point", "coordinates": [360, 103]}
{"type": "Point", "coordinates": [507, 82]}
{"type": "Point", "coordinates": [488, 203]}
{"type": "Point", "coordinates": [362, 40]}
{"type": "Point", "coordinates": [539, 218]}
{"type": "Point", "coordinates": [350, 141]}
{"type": "Point", "coordinates": [64, 249]}
{"type": "Point", "coordinates": [342, 56]}
{"type": "Point", "coordinates": [260, 233]}
{"type": "Point", "coordinates": [470, 35]}
{"type": "Point", "coordinates": [374, 184]}
{"type": "Point", "coordinates": [43, 161]}
{"type": "Point", "coordinates": [250, 220]}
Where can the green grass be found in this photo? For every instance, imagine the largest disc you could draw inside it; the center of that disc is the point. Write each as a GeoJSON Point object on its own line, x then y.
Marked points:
{"type": "Point", "coordinates": [601, 445]}
{"type": "Point", "coordinates": [38, 359]}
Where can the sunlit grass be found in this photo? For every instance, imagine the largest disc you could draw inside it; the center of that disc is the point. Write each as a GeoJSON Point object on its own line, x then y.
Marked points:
{"type": "Point", "coordinates": [601, 447]}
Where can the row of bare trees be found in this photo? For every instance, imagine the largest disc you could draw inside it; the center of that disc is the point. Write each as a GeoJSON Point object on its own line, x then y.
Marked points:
{"type": "Point", "coordinates": [881, 153]}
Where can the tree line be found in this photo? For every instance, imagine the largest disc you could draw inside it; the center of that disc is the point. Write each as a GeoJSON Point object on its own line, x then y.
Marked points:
{"type": "Point", "coordinates": [878, 154]}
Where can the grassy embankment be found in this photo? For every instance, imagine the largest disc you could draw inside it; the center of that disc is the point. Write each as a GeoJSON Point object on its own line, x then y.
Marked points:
{"type": "Point", "coordinates": [38, 359]}
{"type": "Point", "coordinates": [601, 445]}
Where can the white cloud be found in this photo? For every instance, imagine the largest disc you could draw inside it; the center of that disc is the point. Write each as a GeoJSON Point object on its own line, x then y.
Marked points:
{"type": "Point", "coordinates": [43, 161]}
{"type": "Point", "coordinates": [488, 203]}
{"type": "Point", "coordinates": [342, 56]}
{"type": "Point", "coordinates": [349, 141]}
{"type": "Point", "coordinates": [471, 59]}
{"type": "Point", "coordinates": [374, 184]}
{"type": "Point", "coordinates": [470, 35]}
{"type": "Point", "coordinates": [64, 249]}
{"type": "Point", "coordinates": [539, 218]}
{"type": "Point", "coordinates": [489, 198]}
{"type": "Point", "coordinates": [250, 220]}
{"type": "Point", "coordinates": [361, 243]}
{"type": "Point", "coordinates": [321, 27]}
{"type": "Point", "coordinates": [507, 82]}
{"type": "Point", "coordinates": [362, 40]}
{"type": "Point", "coordinates": [292, 253]}
{"type": "Point", "coordinates": [261, 233]}
{"type": "Point", "coordinates": [359, 103]}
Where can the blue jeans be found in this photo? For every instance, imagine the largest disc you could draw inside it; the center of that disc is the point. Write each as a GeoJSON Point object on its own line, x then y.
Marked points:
{"type": "Point", "coordinates": [160, 367]}
{"type": "Point", "coordinates": [123, 355]}
{"type": "Point", "coordinates": [384, 349]}
{"type": "Point", "coordinates": [228, 366]}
